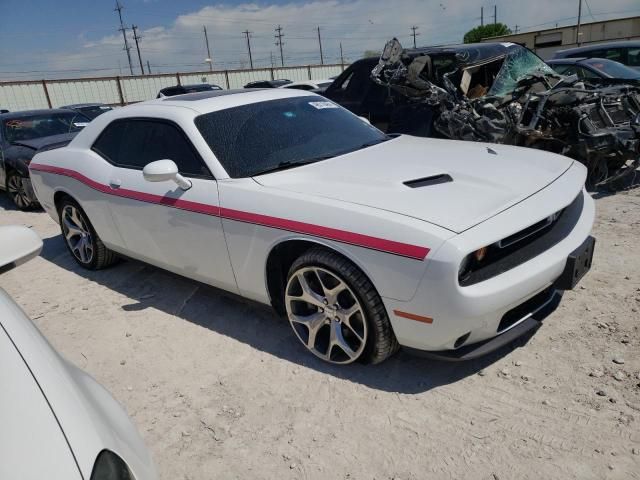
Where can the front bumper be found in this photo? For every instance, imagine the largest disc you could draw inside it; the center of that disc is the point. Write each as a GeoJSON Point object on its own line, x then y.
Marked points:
{"type": "Point", "coordinates": [473, 315]}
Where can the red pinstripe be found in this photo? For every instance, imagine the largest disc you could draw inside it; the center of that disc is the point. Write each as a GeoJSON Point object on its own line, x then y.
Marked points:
{"type": "Point", "coordinates": [343, 236]}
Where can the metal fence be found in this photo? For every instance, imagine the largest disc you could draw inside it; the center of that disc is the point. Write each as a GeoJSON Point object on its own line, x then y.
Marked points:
{"type": "Point", "coordinates": [122, 90]}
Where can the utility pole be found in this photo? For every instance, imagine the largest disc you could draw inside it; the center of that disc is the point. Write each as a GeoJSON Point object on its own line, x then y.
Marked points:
{"type": "Point", "coordinates": [206, 41]}
{"type": "Point", "coordinates": [341, 57]}
{"type": "Point", "coordinates": [414, 28]}
{"type": "Point", "coordinates": [280, 43]}
{"type": "Point", "coordinates": [320, 43]}
{"type": "Point", "coordinates": [482, 16]}
{"type": "Point", "coordinates": [272, 62]}
{"type": "Point", "coordinates": [495, 14]}
{"type": "Point", "coordinates": [136, 37]}
{"type": "Point", "coordinates": [148, 67]}
{"type": "Point", "coordinates": [579, 19]}
{"type": "Point", "coordinates": [124, 34]}
{"type": "Point", "coordinates": [516, 31]}
{"type": "Point", "coordinates": [247, 33]}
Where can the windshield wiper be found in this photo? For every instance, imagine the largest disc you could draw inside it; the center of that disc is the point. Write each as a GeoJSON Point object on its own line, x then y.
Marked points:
{"type": "Point", "coordinates": [289, 164]}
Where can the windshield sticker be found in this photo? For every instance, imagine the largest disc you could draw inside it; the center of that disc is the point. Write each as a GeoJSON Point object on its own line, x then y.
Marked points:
{"type": "Point", "coordinates": [322, 105]}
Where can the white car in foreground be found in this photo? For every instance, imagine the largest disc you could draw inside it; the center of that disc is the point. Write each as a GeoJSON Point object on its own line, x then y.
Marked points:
{"type": "Point", "coordinates": [56, 422]}
{"type": "Point", "coordinates": [365, 241]}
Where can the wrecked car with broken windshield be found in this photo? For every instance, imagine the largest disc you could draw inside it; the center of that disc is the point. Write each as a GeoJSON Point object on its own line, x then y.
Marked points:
{"type": "Point", "coordinates": [504, 93]}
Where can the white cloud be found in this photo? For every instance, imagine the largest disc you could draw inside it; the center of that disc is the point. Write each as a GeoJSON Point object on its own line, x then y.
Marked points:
{"type": "Point", "coordinates": [359, 24]}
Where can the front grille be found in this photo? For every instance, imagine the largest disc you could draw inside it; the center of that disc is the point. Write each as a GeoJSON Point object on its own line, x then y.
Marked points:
{"type": "Point", "coordinates": [521, 246]}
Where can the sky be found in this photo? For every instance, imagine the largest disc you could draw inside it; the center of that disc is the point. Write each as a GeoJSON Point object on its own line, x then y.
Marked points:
{"type": "Point", "coordinates": [72, 38]}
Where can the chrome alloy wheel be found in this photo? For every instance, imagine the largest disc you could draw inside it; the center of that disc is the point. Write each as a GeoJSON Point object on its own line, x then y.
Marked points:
{"type": "Point", "coordinates": [326, 315]}
{"type": "Point", "coordinates": [17, 192]}
{"type": "Point", "coordinates": [77, 234]}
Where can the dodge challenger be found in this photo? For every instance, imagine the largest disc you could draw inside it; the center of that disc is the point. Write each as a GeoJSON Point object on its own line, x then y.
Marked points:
{"type": "Point", "coordinates": [365, 242]}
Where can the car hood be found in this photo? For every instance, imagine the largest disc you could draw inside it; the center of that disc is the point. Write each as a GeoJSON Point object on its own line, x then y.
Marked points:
{"type": "Point", "coordinates": [38, 143]}
{"type": "Point", "coordinates": [484, 180]}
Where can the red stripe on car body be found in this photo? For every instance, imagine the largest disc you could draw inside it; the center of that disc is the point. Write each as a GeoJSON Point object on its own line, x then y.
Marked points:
{"type": "Point", "coordinates": [342, 236]}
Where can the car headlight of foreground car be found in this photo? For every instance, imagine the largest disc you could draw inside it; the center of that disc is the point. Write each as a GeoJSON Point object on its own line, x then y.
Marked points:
{"type": "Point", "coordinates": [110, 466]}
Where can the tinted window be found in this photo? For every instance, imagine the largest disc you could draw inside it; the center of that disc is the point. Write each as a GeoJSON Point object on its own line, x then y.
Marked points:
{"type": "Point", "coordinates": [94, 111]}
{"type": "Point", "coordinates": [633, 57]}
{"type": "Point", "coordinates": [614, 69]}
{"type": "Point", "coordinates": [250, 139]}
{"type": "Point", "coordinates": [136, 143]}
{"type": "Point", "coordinates": [29, 127]}
{"type": "Point", "coordinates": [563, 69]}
{"type": "Point", "coordinates": [300, 87]}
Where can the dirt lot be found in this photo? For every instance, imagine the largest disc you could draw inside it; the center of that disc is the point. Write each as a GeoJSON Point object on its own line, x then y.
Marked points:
{"type": "Point", "coordinates": [220, 389]}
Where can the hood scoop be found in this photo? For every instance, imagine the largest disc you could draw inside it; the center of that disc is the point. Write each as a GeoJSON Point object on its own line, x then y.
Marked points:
{"type": "Point", "coordinates": [428, 181]}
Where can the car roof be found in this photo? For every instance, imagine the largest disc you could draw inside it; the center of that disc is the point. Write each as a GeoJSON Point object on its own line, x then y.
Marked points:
{"type": "Point", "coordinates": [27, 113]}
{"type": "Point", "coordinates": [597, 46]}
{"type": "Point", "coordinates": [209, 101]}
{"type": "Point", "coordinates": [467, 52]}
{"type": "Point", "coordinates": [83, 105]}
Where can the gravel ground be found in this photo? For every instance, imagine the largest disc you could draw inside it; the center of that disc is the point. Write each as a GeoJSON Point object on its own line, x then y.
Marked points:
{"type": "Point", "coordinates": [219, 388]}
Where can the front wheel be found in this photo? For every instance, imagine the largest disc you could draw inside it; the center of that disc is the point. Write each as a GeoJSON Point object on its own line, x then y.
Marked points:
{"type": "Point", "coordinates": [18, 193]}
{"type": "Point", "coordinates": [335, 310]}
{"type": "Point", "coordinates": [81, 239]}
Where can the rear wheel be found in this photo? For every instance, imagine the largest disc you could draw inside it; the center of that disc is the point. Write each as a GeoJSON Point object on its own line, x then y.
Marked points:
{"type": "Point", "coordinates": [335, 311]}
{"type": "Point", "coordinates": [18, 193]}
{"type": "Point", "coordinates": [81, 239]}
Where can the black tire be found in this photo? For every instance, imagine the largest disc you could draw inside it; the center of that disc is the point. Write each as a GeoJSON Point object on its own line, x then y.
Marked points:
{"type": "Point", "coordinates": [101, 256]}
{"type": "Point", "coordinates": [381, 342]}
{"type": "Point", "coordinates": [17, 193]}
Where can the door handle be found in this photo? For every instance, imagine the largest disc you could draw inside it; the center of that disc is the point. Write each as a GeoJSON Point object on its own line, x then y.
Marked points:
{"type": "Point", "coordinates": [115, 183]}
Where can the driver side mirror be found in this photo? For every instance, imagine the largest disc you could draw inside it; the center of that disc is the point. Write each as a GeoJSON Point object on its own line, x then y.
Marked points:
{"type": "Point", "coordinates": [164, 170]}
{"type": "Point", "coordinates": [18, 245]}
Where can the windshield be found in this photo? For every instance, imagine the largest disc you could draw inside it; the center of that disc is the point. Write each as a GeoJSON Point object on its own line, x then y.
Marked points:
{"type": "Point", "coordinates": [613, 69]}
{"type": "Point", "coordinates": [42, 125]}
{"type": "Point", "coordinates": [93, 111]}
{"type": "Point", "coordinates": [255, 138]}
{"type": "Point", "coordinates": [519, 63]}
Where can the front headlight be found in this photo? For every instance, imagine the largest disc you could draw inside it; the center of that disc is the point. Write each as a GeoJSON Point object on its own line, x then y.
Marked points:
{"type": "Point", "coordinates": [110, 466]}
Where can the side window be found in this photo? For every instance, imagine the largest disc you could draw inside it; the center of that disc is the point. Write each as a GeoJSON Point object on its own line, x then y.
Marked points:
{"type": "Point", "coordinates": [346, 82]}
{"type": "Point", "coordinates": [616, 54]}
{"type": "Point", "coordinates": [586, 73]}
{"type": "Point", "coordinates": [563, 69]}
{"type": "Point", "coordinates": [633, 57]}
{"type": "Point", "coordinates": [136, 143]}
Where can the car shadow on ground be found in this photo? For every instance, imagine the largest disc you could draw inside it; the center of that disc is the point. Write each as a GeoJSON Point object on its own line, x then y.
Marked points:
{"type": "Point", "coordinates": [258, 326]}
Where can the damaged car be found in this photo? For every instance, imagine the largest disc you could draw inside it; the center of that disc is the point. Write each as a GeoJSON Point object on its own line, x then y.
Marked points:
{"type": "Point", "coordinates": [504, 93]}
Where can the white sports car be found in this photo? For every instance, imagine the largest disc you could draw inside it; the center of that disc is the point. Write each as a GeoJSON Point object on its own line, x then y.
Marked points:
{"type": "Point", "coordinates": [56, 422]}
{"type": "Point", "coordinates": [365, 241]}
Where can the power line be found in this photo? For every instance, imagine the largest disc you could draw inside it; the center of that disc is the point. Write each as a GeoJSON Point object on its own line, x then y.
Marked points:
{"type": "Point", "coordinates": [280, 43]}
{"type": "Point", "coordinates": [414, 34]}
{"type": "Point", "coordinates": [124, 34]}
{"type": "Point", "coordinates": [247, 33]}
{"type": "Point", "coordinates": [136, 37]}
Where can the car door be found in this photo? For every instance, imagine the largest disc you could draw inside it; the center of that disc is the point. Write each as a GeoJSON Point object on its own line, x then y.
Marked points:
{"type": "Point", "coordinates": [162, 224]}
